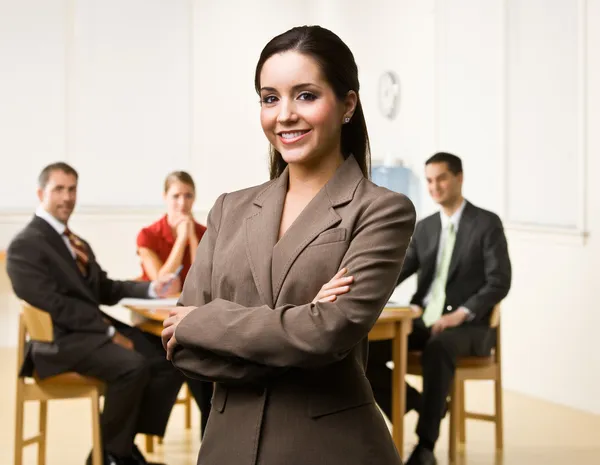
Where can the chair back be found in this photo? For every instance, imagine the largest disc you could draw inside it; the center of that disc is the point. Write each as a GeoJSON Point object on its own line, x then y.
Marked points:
{"type": "Point", "coordinates": [38, 324]}
{"type": "Point", "coordinates": [495, 323]}
{"type": "Point", "coordinates": [495, 316]}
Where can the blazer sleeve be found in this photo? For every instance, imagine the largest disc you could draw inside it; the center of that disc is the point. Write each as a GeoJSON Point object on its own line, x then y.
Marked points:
{"type": "Point", "coordinates": [196, 362]}
{"type": "Point", "coordinates": [111, 291]}
{"type": "Point", "coordinates": [497, 269]}
{"type": "Point", "coordinates": [34, 283]}
{"type": "Point", "coordinates": [411, 260]}
{"type": "Point", "coordinates": [314, 334]}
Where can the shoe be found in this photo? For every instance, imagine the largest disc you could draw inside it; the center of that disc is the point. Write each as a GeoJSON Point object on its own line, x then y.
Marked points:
{"type": "Point", "coordinates": [107, 459]}
{"type": "Point", "coordinates": [137, 458]}
{"type": "Point", "coordinates": [421, 456]}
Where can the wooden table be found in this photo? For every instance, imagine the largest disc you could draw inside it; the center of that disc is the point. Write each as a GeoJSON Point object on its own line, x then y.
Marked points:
{"type": "Point", "coordinates": [395, 324]}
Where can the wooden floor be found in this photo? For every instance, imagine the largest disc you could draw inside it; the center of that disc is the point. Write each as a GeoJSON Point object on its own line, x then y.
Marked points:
{"type": "Point", "coordinates": [537, 432]}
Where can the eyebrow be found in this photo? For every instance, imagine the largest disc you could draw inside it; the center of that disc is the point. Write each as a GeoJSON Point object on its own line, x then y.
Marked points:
{"type": "Point", "coordinates": [295, 88]}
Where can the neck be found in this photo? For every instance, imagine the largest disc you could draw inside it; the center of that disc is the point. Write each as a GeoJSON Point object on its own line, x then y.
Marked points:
{"type": "Point", "coordinates": [305, 179]}
{"type": "Point", "coordinates": [453, 207]}
{"type": "Point", "coordinates": [50, 214]}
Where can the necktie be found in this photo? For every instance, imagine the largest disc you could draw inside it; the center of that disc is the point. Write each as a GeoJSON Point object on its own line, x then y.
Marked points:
{"type": "Point", "coordinates": [80, 249]}
{"type": "Point", "coordinates": [435, 306]}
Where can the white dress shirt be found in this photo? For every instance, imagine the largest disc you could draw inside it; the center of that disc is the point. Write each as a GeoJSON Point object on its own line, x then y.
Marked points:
{"type": "Point", "coordinates": [58, 226]}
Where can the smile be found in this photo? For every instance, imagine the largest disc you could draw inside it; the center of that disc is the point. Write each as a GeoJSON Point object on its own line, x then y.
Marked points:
{"type": "Point", "coordinates": [290, 137]}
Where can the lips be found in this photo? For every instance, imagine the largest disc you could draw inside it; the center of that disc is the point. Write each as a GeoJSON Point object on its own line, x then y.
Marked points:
{"type": "Point", "coordinates": [291, 137]}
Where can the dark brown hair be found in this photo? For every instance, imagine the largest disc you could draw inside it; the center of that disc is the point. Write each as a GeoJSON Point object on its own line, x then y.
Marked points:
{"type": "Point", "coordinates": [339, 68]}
{"type": "Point", "coordinates": [58, 166]}
{"type": "Point", "coordinates": [454, 163]}
{"type": "Point", "coordinates": [181, 176]}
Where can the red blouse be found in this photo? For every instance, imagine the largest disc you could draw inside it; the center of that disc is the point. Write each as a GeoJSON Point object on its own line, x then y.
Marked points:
{"type": "Point", "coordinates": [159, 238]}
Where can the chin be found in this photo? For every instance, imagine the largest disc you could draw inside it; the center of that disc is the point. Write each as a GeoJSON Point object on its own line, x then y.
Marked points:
{"type": "Point", "coordinates": [295, 156]}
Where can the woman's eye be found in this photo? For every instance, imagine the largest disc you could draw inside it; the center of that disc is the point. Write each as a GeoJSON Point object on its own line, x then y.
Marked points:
{"type": "Point", "coordinates": [268, 99]}
{"type": "Point", "coordinates": [307, 96]}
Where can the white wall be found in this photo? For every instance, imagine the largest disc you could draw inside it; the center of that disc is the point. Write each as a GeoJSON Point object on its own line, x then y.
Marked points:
{"type": "Point", "coordinates": [154, 85]}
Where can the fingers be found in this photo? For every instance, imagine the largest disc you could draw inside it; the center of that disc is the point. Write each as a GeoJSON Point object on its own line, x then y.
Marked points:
{"type": "Point", "coordinates": [338, 282]}
{"type": "Point", "coordinates": [167, 335]}
{"type": "Point", "coordinates": [171, 347]}
{"type": "Point", "coordinates": [335, 291]}
{"type": "Point", "coordinates": [437, 328]}
{"type": "Point", "coordinates": [331, 298]}
{"type": "Point", "coordinates": [340, 273]}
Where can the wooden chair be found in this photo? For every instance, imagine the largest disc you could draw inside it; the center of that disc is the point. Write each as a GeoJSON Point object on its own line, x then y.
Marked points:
{"type": "Point", "coordinates": [38, 325]}
{"type": "Point", "coordinates": [471, 368]}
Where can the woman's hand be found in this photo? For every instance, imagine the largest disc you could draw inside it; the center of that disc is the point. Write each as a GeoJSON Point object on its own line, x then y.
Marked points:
{"type": "Point", "coordinates": [183, 227]}
{"type": "Point", "coordinates": [336, 286]}
{"type": "Point", "coordinates": [170, 325]}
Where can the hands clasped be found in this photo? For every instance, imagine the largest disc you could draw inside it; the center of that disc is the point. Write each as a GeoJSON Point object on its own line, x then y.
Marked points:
{"type": "Point", "coordinates": [169, 341]}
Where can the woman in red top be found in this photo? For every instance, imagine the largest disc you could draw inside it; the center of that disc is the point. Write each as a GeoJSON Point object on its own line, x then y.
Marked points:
{"type": "Point", "coordinates": [172, 240]}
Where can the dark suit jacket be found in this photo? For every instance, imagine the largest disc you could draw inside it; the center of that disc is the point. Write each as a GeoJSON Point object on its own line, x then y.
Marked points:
{"type": "Point", "coordinates": [292, 386]}
{"type": "Point", "coordinates": [44, 274]}
{"type": "Point", "coordinates": [480, 271]}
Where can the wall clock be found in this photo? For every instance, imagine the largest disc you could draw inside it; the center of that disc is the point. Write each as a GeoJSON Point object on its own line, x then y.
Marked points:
{"type": "Point", "coordinates": [389, 94]}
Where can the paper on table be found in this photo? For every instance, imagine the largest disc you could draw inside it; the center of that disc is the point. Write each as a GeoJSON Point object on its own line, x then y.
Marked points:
{"type": "Point", "coordinates": [148, 303]}
{"type": "Point", "coordinates": [392, 304]}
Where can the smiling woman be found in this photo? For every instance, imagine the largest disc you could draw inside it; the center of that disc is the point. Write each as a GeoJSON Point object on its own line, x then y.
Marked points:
{"type": "Point", "coordinates": [291, 276]}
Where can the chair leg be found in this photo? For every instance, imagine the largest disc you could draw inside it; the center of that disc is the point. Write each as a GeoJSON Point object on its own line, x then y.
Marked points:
{"type": "Point", "coordinates": [160, 440]}
{"type": "Point", "coordinates": [20, 410]}
{"type": "Point", "coordinates": [462, 430]}
{"type": "Point", "coordinates": [149, 443]}
{"type": "Point", "coordinates": [43, 424]}
{"type": "Point", "coordinates": [454, 421]}
{"type": "Point", "coordinates": [96, 436]}
{"type": "Point", "coordinates": [499, 423]}
{"type": "Point", "coordinates": [188, 408]}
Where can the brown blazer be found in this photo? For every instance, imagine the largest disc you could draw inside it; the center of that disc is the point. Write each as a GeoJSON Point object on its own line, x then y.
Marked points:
{"type": "Point", "coordinates": [291, 374]}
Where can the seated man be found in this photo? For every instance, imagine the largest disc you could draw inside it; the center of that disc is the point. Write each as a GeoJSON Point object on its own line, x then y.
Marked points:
{"type": "Point", "coordinates": [53, 269]}
{"type": "Point", "coordinates": [464, 270]}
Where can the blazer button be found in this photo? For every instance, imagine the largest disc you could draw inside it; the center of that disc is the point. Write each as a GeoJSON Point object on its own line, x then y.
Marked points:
{"type": "Point", "coordinates": [449, 307]}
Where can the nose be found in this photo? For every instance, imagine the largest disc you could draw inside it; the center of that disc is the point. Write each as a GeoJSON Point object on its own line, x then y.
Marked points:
{"type": "Point", "coordinates": [286, 112]}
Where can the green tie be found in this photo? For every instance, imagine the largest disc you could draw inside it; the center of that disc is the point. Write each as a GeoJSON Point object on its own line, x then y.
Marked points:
{"type": "Point", "coordinates": [435, 307]}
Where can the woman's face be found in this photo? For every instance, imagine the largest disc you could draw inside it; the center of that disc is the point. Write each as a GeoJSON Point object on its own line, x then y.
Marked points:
{"type": "Point", "coordinates": [300, 114]}
{"type": "Point", "coordinates": [179, 198]}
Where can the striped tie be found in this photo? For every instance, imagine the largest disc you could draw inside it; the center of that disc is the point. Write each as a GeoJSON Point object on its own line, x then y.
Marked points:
{"type": "Point", "coordinates": [80, 249]}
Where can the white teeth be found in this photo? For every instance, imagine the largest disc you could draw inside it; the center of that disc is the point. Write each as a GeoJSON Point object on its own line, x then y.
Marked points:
{"type": "Point", "coordinates": [291, 135]}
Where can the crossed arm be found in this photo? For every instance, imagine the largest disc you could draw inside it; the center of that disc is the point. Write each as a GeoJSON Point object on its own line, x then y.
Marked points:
{"type": "Point", "coordinates": [315, 334]}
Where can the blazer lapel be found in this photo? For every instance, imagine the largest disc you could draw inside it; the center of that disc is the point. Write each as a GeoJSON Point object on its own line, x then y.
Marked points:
{"type": "Point", "coordinates": [465, 228]}
{"type": "Point", "coordinates": [318, 216]}
{"type": "Point", "coordinates": [58, 245]}
{"type": "Point", "coordinates": [262, 228]}
{"type": "Point", "coordinates": [434, 230]}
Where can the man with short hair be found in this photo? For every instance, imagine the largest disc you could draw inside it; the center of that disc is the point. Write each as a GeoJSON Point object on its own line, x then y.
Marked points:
{"type": "Point", "coordinates": [56, 271]}
{"type": "Point", "coordinates": [464, 270]}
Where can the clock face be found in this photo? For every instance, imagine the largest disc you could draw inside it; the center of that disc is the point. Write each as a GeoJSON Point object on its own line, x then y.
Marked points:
{"type": "Point", "coordinates": [389, 94]}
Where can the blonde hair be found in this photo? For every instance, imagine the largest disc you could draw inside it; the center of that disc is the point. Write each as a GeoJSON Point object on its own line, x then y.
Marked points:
{"type": "Point", "coordinates": [181, 176]}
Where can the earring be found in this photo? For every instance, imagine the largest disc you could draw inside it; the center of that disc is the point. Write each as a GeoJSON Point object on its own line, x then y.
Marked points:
{"type": "Point", "coordinates": [346, 120]}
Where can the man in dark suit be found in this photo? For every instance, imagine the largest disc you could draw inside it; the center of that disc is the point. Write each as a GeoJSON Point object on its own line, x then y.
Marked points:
{"type": "Point", "coordinates": [464, 270]}
{"type": "Point", "coordinates": [56, 271]}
